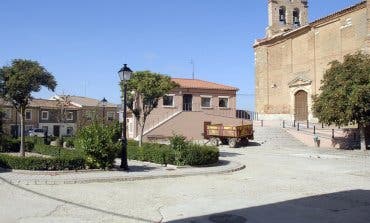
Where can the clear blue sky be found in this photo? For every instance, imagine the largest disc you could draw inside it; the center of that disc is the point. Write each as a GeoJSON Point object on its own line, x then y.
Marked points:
{"type": "Point", "coordinates": [85, 42]}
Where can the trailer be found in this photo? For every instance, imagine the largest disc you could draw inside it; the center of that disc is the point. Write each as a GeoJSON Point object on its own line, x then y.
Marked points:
{"type": "Point", "coordinates": [228, 134]}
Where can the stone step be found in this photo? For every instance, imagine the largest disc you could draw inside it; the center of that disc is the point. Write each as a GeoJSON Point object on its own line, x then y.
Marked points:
{"type": "Point", "coordinates": [274, 136]}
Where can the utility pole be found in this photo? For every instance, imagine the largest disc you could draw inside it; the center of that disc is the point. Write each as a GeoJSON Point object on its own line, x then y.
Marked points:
{"type": "Point", "coordinates": [192, 62]}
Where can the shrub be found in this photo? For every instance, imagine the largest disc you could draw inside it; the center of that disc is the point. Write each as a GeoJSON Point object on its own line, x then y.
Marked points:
{"type": "Point", "coordinates": [9, 144]}
{"type": "Point", "coordinates": [41, 163]}
{"type": "Point", "coordinates": [100, 144]}
{"type": "Point", "coordinates": [70, 141]}
{"type": "Point", "coordinates": [201, 155]}
{"type": "Point", "coordinates": [185, 153]}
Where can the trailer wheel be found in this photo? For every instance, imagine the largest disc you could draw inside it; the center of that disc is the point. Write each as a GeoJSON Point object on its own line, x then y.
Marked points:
{"type": "Point", "coordinates": [233, 142]}
{"type": "Point", "coordinates": [214, 141]}
{"type": "Point", "coordinates": [244, 141]}
{"type": "Point", "coordinates": [225, 141]}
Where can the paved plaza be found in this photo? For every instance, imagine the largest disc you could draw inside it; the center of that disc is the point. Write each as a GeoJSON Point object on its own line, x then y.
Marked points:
{"type": "Point", "coordinates": [282, 182]}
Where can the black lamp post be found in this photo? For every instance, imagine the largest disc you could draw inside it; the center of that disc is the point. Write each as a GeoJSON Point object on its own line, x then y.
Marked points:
{"type": "Point", "coordinates": [124, 75]}
{"type": "Point", "coordinates": [104, 103]}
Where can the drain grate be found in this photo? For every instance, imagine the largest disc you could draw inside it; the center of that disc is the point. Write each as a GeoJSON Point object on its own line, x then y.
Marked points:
{"type": "Point", "coordinates": [227, 218]}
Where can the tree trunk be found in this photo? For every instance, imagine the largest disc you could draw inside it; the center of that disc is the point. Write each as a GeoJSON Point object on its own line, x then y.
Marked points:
{"type": "Point", "coordinates": [21, 149]}
{"type": "Point", "coordinates": [142, 132]}
{"type": "Point", "coordinates": [362, 138]}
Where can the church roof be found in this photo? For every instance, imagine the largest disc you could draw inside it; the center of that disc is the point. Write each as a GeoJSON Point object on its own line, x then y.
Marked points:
{"type": "Point", "coordinates": [319, 21]}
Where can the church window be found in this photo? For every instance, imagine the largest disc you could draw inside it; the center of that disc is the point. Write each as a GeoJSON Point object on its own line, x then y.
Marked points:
{"type": "Point", "coordinates": [296, 20]}
{"type": "Point", "coordinates": [282, 15]}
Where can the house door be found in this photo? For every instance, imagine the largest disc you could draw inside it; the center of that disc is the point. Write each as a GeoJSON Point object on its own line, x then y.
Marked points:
{"type": "Point", "coordinates": [187, 102]}
{"type": "Point", "coordinates": [56, 130]}
{"type": "Point", "coordinates": [301, 106]}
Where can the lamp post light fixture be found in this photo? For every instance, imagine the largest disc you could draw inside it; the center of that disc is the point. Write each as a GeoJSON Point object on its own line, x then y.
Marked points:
{"type": "Point", "coordinates": [104, 103]}
{"type": "Point", "coordinates": [124, 74]}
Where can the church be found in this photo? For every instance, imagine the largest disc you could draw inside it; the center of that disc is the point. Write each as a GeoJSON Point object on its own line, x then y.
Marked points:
{"type": "Point", "coordinates": [291, 60]}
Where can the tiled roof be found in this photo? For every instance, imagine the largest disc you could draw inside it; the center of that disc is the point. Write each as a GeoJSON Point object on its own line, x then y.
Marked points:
{"type": "Point", "coordinates": [200, 84]}
{"type": "Point", "coordinates": [45, 103]}
{"type": "Point", "coordinates": [40, 103]}
{"type": "Point", "coordinates": [89, 102]}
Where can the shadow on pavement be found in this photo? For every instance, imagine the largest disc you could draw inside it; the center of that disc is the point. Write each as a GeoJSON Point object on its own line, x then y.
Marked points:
{"type": "Point", "coordinates": [134, 168]}
{"type": "Point", "coordinates": [2, 170]}
{"type": "Point", "coordinates": [229, 154]}
{"type": "Point", "coordinates": [341, 207]}
{"type": "Point", "coordinates": [251, 144]}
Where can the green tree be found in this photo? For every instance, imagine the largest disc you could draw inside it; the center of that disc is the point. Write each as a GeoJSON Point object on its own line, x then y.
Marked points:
{"type": "Point", "coordinates": [1, 126]}
{"type": "Point", "coordinates": [345, 94]}
{"type": "Point", "coordinates": [144, 91]}
{"type": "Point", "coordinates": [18, 81]}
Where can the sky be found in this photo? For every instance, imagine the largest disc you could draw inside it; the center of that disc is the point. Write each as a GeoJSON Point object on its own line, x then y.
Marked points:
{"type": "Point", "coordinates": [83, 43]}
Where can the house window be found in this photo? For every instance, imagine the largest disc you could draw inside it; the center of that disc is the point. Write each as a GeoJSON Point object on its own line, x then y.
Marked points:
{"type": "Point", "coordinates": [69, 131]}
{"type": "Point", "coordinates": [282, 15]}
{"type": "Point", "coordinates": [45, 115]}
{"type": "Point", "coordinates": [28, 115]}
{"type": "Point", "coordinates": [110, 116]}
{"type": "Point", "coordinates": [168, 101]}
{"type": "Point", "coordinates": [206, 101]}
{"type": "Point", "coordinates": [69, 116]}
{"type": "Point", "coordinates": [296, 20]}
{"type": "Point", "coordinates": [223, 102]}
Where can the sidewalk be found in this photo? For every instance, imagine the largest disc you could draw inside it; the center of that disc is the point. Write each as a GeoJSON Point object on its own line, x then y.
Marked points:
{"type": "Point", "coordinates": [138, 171]}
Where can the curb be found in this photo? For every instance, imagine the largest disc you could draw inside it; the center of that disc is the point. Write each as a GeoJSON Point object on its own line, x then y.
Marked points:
{"type": "Point", "coordinates": [234, 168]}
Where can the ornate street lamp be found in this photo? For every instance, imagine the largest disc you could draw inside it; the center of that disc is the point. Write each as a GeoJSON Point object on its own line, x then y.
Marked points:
{"type": "Point", "coordinates": [124, 74]}
{"type": "Point", "coordinates": [104, 103]}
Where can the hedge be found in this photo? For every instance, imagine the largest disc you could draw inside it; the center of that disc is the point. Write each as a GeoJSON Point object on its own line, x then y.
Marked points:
{"type": "Point", "coordinates": [41, 163]}
{"type": "Point", "coordinates": [190, 154]}
{"type": "Point", "coordinates": [13, 145]}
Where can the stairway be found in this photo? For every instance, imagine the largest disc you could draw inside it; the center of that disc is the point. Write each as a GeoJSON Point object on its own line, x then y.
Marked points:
{"type": "Point", "coordinates": [275, 136]}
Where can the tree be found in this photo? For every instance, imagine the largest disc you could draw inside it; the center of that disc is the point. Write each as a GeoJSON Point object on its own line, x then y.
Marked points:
{"type": "Point", "coordinates": [345, 94]}
{"type": "Point", "coordinates": [144, 91]}
{"type": "Point", "coordinates": [17, 83]}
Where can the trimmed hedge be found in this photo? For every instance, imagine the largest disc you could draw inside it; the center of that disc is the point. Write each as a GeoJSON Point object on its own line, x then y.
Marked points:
{"type": "Point", "coordinates": [41, 163]}
{"type": "Point", "coordinates": [60, 159]}
{"type": "Point", "coordinates": [13, 145]}
{"type": "Point", "coordinates": [187, 154]}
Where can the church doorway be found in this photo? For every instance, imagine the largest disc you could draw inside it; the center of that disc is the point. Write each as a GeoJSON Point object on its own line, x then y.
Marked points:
{"type": "Point", "coordinates": [301, 106]}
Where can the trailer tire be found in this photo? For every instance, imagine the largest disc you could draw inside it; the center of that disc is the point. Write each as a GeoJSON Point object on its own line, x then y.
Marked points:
{"type": "Point", "coordinates": [233, 142]}
{"type": "Point", "coordinates": [214, 141]}
{"type": "Point", "coordinates": [244, 141]}
{"type": "Point", "coordinates": [225, 141]}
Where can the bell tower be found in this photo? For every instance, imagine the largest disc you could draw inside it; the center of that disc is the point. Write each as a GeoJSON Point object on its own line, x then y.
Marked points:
{"type": "Point", "coordinates": [286, 15]}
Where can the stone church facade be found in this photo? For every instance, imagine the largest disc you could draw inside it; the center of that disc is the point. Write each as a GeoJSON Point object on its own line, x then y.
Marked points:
{"type": "Point", "coordinates": [291, 60]}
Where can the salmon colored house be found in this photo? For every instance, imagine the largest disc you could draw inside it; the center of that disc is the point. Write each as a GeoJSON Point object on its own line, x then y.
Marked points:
{"type": "Point", "coordinates": [186, 109]}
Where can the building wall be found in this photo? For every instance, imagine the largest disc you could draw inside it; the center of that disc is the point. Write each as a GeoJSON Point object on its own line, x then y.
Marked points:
{"type": "Point", "coordinates": [162, 112]}
{"type": "Point", "coordinates": [194, 121]}
{"type": "Point", "coordinates": [304, 53]}
{"type": "Point", "coordinates": [16, 119]}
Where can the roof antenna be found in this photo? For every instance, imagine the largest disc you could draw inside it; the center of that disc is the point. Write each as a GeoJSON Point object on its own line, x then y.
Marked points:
{"type": "Point", "coordinates": [192, 62]}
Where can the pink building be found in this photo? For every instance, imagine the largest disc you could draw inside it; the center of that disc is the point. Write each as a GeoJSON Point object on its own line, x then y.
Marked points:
{"type": "Point", "coordinates": [186, 109]}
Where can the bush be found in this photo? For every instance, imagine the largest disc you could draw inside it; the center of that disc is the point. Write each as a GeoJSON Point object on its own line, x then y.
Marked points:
{"type": "Point", "coordinates": [180, 152]}
{"type": "Point", "coordinates": [9, 144]}
{"type": "Point", "coordinates": [41, 163]}
{"type": "Point", "coordinates": [100, 144]}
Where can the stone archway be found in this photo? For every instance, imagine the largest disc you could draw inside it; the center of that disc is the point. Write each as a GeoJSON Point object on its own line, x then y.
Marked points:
{"type": "Point", "coordinates": [301, 105]}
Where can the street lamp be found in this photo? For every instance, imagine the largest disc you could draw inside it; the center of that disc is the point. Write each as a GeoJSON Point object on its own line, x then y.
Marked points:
{"type": "Point", "coordinates": [104, 103]}
{"type": "Point", "coordinates": [124, 75]}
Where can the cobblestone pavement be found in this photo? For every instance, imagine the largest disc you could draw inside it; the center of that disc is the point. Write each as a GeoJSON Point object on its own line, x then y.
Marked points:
{"type": "Point", "coordinates": [281, 184]}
